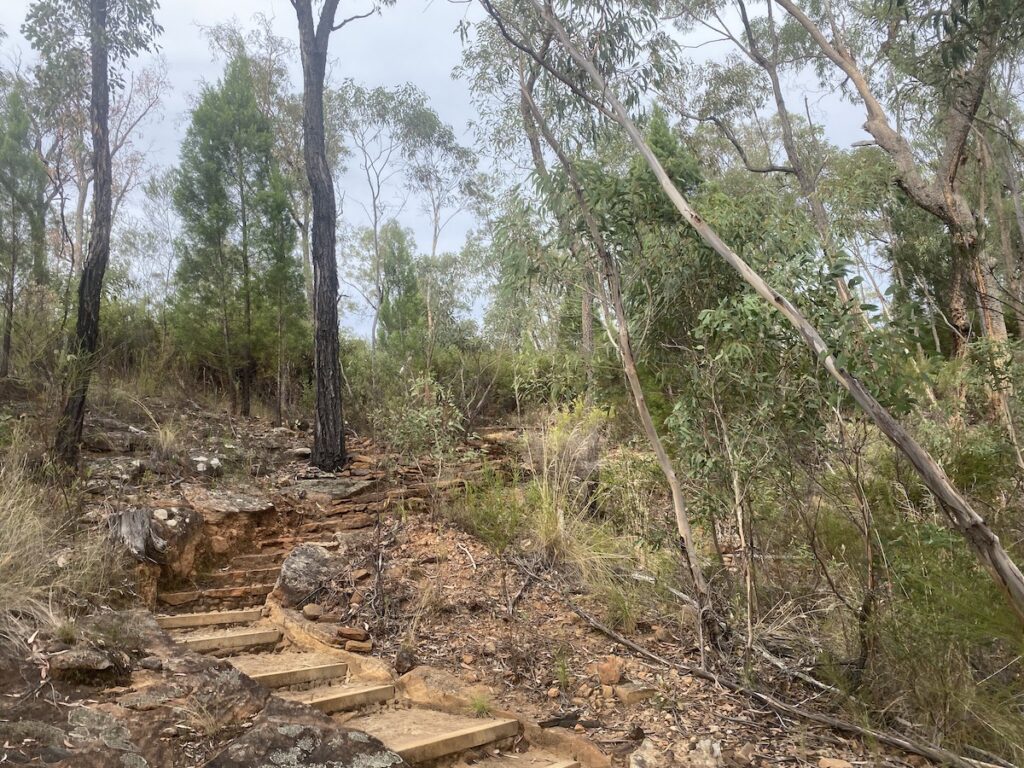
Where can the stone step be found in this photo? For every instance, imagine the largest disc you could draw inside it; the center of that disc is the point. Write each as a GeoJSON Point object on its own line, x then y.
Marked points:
{"type": "Point", "coordinates": [230, 641]}
{"type": "Point", "coordinates": [341, 698]}
{"type": "Point", "coordinates": [289, 668]}
{"type": "Point", "coordinates": [422, 735]}
{"type": "Point", "coordinates": [259, 559]}
{"type": "Point", "coordinates": [243, 577]}
{"type": "Point", "coordinates": [210, 619]}
{"type": "Point", "coordinates": [253, 592]}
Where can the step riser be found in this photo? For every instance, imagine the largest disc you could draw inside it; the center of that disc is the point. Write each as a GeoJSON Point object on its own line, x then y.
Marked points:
{"type": "Point", "coordinates": [348, 700]}
{"type": "Point", "coordinates": [242, 577]}
{"type": "Point", "coordinates": [458, 741]}
{"type": "Point", "coordinates": [190, 620]}
{"type": "Point", "coordinates": [247, 596]}
{"type": "Point", "coordinates": [302, 676]}
{"type": "Point", "coordinates": [232, 643]}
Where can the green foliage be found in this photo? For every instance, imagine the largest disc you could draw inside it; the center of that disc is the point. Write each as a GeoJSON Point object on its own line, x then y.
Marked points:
{"type": "Point", "coordinates": [238, 307]}
{"type": "Point", "coordinates": [423, 419]}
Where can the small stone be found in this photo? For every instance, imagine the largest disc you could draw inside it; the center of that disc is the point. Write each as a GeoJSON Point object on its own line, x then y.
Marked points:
{"type": "Point", "coordinates": [359, 646]}
{"type": "Point", "coordinates": [153, 663]}
{"type": "Point", "coordinates": [357, 598]}
{"type": "Point", "coordinates": [745, 754]}
{"type": "Point", "coordinates": [579, 728]}
{"type": "Point", "coordinates": [634, 693]}
{"type": "Point", "coordinates": [553, 692]}
{"type": "Point", "coordinates": [172, 523]}
{"type": "Point", "coordinates": [662, 635]}
{"type": "Point", "coordinates": [489, 648]}
{"type": "Point", "coordinates": [331, 618]}
{"type": "Point", "coordinates": [584, 691]}
{"type": "Point", "coordinates": [607, 691]}
{"type": "Point", "coordinates": [160, 514]}
{"type": "Point", "coordinates": [360, 574]}
{"type": "Point", "coordinates": [169, 732]}
{"type": "Point", "coordinates": [312, 611]}
{"type": "Point", "coordinates": [609, 671]}
{"type": "Point", "coordinates": [834, 762]}
{"type": "Point", "coordinates": [405, 660]}
{"type": "Point", "coordinates": [468, 658]}
{"type": "Point", "coordinates": [219, 545]}
{"type": "Point", "coordinates": [353, 633]}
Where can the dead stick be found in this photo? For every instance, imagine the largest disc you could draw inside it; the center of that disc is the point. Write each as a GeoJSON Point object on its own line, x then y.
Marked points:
{"type": "Point", "coordinates": [934, 753]}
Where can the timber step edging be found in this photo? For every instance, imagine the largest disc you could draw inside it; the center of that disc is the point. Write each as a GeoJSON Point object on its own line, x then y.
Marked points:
{"type": "Point", "coordinates": [208, 619]}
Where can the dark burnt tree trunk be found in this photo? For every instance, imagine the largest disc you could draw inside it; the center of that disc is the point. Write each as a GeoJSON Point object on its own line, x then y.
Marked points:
{"type": "Point", "coordinates": [328, 424]}
{"type": "Point", "coordinates": [90, 287]}
{"type": "Point", "coordinates": [5, 352]}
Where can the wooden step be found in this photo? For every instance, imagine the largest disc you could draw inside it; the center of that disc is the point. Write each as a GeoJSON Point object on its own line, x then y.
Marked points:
{"type": "Point", "coordinates": [285, 669]}
{"type": "Point", "coordinates": [341, 698]}
{"type": "Point", "coordinates": [531, 759]}
{"type": "Point", "coordinates": [421, 735]}
{"type": "Point", "coordinates": [229, 641]}
{"type": "Point", "coordinates": [251, 591]}
{"type": "Point", "coordinates": [210, 619]}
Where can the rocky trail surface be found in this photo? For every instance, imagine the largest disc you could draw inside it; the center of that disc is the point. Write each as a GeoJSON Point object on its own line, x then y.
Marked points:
{"type": "Point", "coordinates": [300, 618]}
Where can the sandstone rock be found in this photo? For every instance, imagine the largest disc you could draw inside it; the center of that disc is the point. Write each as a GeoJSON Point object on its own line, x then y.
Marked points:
{"type": "Point", "coordinates": [553, 692]}
{"type": "Point", "coordinates": [745, 755]}
{"type": "Point", "coordinates": [359, 646]}
{"type": "Point", "coordinates": [153, 663]}
{"type": "Point", "coordinates": [88, 665]}
{"type": "Point", "coordinates": [312, 611]}
{"type": "Point", "coordinates": [609, 671]}
{"type": "Point", "coordinates": [439, 689]}
{"type": "Point", "coordinates": [834, 762]}
{"type": "Point", "coordinates": [288, 736]}
{"type": "Point", "coordinates": [304, 571]}
{"type": "Point", "coordinates": [182, 531]}
{"type": "Point", "coordinates": [705, 754]}
{"type": "Point", "coordinates": [648, 755]}
{"type": "Point", "coordinates": [633, 693]}
{"type": "Point", "coordinates": [298, 454]}
{"type": "Point", "coordinates": [353, 633]}
{"type": "Point", "coordinates": [489, 648]}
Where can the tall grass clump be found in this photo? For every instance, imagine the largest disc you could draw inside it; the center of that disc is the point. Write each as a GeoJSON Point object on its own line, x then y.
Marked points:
{"type": "Point", "coordinates": [46, 571]}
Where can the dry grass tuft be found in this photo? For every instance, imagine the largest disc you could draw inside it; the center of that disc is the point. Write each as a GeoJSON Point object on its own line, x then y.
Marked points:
{"type": "Point", "coordinates": [44, 569]}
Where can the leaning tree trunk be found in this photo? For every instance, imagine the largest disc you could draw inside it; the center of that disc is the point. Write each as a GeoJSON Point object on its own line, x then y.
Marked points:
{"type": "Point", "coordinates": [328, 424]}
{"type": "Point", "coordinates": [961, 515]}
{"type": "Point", "coordinates": [90, 287]}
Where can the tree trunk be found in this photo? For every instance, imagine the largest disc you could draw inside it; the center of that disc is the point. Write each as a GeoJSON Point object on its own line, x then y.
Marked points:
{"type": "Point", "coordinates": [613, 282]}
{"type": "Point", "coordinates": [90, 287]}
{"type": "Point", "coordinates": [961, 515]}
{"type": "Point", "coordinates": [5, 352]}
{"type": "Point", "coordinates": [959, 317]}
{"type": "Point", "coordinates": [249, 362]}
{"type": "Point", "coordinates": [328, 424]}
{"type": "Point", "coordinates": [587, 329]}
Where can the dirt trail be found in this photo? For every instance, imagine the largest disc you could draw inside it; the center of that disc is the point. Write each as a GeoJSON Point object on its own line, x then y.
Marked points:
{"type": "Point", "coordinates": [493, 651]}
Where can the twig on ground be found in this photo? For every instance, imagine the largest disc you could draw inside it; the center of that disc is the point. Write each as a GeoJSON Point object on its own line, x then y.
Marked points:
{"type": "Point", "coordinates": [907, 744]}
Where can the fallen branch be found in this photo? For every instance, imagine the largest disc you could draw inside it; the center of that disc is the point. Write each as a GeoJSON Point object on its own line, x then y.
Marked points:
{"type": "Point", "coordinates": [930, 751]}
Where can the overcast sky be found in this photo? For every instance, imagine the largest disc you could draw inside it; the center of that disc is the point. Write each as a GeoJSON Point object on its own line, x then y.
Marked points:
{"type": "Point", "coordinates": [416, 41]}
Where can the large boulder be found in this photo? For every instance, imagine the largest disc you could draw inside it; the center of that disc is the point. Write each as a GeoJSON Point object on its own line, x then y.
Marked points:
{"type": "Point", "coordinates": [289, 734]}
{"type": "Point", "coordinates": [307, 569]}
